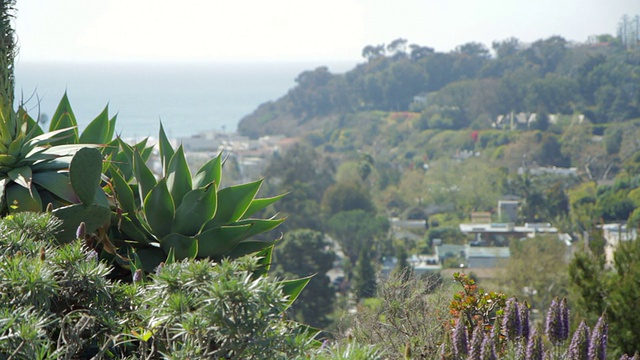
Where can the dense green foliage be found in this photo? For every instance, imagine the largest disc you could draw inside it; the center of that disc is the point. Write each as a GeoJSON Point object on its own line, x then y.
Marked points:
{"type": "Point", "coordinates": [468, 86]}
{"type": "Point", "coordinates": [536, 271]}
{"type": "Point", "coordinates": [57, 302]}
{"type": "Point", "coordinates": [305, 253]}
{"type": "Point", "coordinates": [413, 134]}
{"type": "Point", "coordinates": [614, 293]}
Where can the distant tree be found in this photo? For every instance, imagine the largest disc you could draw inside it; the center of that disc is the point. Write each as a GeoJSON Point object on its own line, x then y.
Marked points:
{"type": "Point", "coordinates": [304, 175]}
{"type": "Point", "coordinates": [397, 48]}
{"type": "Point", "coordinates": [542, 120]}
{"type": "Point", "coordinates": [371, 52]}
{"type": "Point", "coordinates": [588, 85]}
{"type": "Point", "coordinates": [364, 277]}
{"type": "Point", "coordinates": [346, 196]}
{"type": "Point", "coordinates": [557, 201]}
{"type": "Point", "coordinates": [506, 48]}
{"type": "Point", "coordinates": [552, 94]}
{"type": "Point", "coordinates": [536, 271]}
{"type": "Point", "coordinates": [547, 53]}
{"type": "Point", "coordinates": [403, 268]}
{"type": "Point", "coordinates": [613, 292]}
{"type": "Point", "coordinates": [440, 70]}
{"type": "Point", "coordinates": [469, 59]}
{"type": "Point", "coordinates": [356, 230]}
{"type": "Point", "coordinates": [419, 52]}
{"type": "Point", "coordinates": [303, 253]}
{"type": "Point", "coordinates": [550, 151]}
{"type": "Point", "coordinates": [613, 139]}
{"type": "Point", "coordinates": [614, 206]}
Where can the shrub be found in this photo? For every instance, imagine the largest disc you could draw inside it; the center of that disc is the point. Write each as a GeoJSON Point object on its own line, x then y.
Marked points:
{"type": "Point", "coordinates": [57, 301]}
{"type": "Point", "coordinates": [410, 312]}
{"type": "Point", "coordinates": [200, 309]}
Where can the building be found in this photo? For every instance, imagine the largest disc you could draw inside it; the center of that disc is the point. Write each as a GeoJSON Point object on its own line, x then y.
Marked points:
{"type": "Point", "coordinates": [500, 233]}
{"type": "Point", "coordinates": [485, 257]}
{"type": "Point", "coordinates": [421, 264]}
{"type": "Point", "coordinates": [508, 210]}
{"type": "Point", "coordinates": [614, 234]}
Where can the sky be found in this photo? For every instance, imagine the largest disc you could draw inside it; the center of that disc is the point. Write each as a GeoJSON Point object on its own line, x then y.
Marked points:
{"type": "Point", "coordinates": [291, 30]}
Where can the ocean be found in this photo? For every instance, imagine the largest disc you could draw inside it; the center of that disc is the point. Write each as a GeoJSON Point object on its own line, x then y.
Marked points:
{"type": "Point", "coordinates": [188, 98]}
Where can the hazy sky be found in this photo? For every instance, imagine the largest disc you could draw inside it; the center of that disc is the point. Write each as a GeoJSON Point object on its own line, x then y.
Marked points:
{"type": "Point", "coordinates": [259, 30]}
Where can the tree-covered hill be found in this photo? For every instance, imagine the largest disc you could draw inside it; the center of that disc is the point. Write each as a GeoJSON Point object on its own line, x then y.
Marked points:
{"type": "Point", "coordinates": [469, 87]}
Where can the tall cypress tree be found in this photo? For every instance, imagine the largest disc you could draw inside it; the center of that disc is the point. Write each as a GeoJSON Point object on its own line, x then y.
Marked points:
{"type": "Point", "coordinates": [364, 281]}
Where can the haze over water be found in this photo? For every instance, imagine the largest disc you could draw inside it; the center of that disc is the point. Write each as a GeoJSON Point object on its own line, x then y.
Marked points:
{"type": "Point", "coordinates": [188, 97]}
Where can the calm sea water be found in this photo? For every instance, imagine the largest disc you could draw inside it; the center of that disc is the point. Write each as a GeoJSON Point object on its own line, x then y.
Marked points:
{"type": "Point", "coordinates": [188, 98]}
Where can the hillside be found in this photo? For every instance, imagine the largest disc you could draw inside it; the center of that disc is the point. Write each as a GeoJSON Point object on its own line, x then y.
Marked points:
{"type": "Point", "coordinates": [462, 130]}
{"type": "Point", "coordinates": [470, 87]}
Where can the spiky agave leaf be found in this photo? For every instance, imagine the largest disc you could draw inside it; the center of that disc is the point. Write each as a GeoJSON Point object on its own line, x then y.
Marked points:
{"type": "Point", "coordinates": [180, 215]}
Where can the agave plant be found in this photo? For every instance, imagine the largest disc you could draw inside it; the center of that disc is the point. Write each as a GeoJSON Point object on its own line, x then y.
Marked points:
{"type": "Point", "coordinates": [188, 216]}
{"type": "Point", "coordinates": [59, 168]}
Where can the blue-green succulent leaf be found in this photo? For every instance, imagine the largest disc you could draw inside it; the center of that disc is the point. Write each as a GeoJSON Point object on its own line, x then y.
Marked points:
{"type": "Point", "coordinates": [57, 183]}
{"type": "Point", "coordinates": [159, 209]}
{"type": "Point", "coordinates": [178, 176]}
{"type": "Point", "coordinates": [166, 150]}
{"type": "Point", "coordinates": [234, 201]}
{"type": "Point", "coordinates": [22, 199]}
{"type": "Point", "coordinates": [211, 172]}
{"type": "Point", "coordinates": [97, 132]}
{"type": "Point", "coordinates": [219, 242]}
{"type": "Point", "coordinates": [144, 175]}
{"type": "Point", "coordinates": [21, 176]}
{"type": "Point", "coordinates": [85, 172]}
{"type": "Point", "coordinates": [198, 206]}
{"type": "Point", "coordinates": [293, 288]}
{"type": "Point", "coordinates": [184, 247]}
{"type": "Point", "coordinates": [259, 204]}
{"type": "Point", "coordinates": [123, 192]}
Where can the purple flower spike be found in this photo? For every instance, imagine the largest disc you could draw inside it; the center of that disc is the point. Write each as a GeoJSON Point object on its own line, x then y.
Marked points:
{"type": "Point", "coordinates": [92, 256]}
{"type": "Point", "coordinates": [475, 347]}
{"type": "Point", "coordinates": [554, 323]}
{"type": "Point", "coordinates": [442, 352]}
{"type": "Point", "coordinates": [579, 347]}
{"type": "Point", "coordinates": [511, 320]}
{"type": "Point", "coordinates": [598, 340]}
{"type": "Point", "coordinates": [81, 231]}
{"type": "Point", "coordinates": [460, 339]}
{"type": "Point", "coordinates": [534, 347]}
{"type": "Point", "coordinates": [488, 351]}
{"type": "Point", "coordinates": [523, 311]}
{"type": "Point", "coordinates": [160, 267]}
{"type": "Point", "coordinates": [137, 276]}
{"type": "Point", "coordinates": [564, 319]}
{"type": "Point", "coordinates": [495, 330]}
